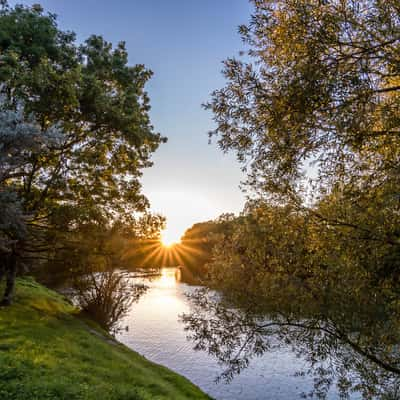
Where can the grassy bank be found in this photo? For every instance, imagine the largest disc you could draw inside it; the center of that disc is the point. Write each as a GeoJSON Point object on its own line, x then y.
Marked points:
{"type": "Point", "coordinates": [48, 353]}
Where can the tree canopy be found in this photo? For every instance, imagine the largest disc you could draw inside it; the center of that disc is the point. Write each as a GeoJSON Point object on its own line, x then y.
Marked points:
{"type": "Point", "coordinates": [82, 132]}
{"type": "Point", "coordinates": [321, 86]}
{"type": "Point", "coordinates": [312, 112]}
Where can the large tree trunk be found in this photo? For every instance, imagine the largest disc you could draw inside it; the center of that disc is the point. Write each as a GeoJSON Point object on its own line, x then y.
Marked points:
{"type": "Point", "coordinates": [3, 259]}
{"type": "Point", "coordinates": [9, 268]}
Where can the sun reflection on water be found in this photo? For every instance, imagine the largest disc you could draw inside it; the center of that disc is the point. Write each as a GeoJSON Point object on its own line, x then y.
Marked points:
{"type": "Point", "coordinates": [169, 278]}
{"type": "Point", "coordinates": [164, 300]}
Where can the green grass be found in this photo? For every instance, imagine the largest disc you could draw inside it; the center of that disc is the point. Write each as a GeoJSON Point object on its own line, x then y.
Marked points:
{"type": "Point", "coordinates": [48, 353]}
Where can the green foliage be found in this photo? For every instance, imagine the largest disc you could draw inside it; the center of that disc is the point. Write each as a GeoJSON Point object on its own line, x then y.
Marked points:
{"type": "Point", "coordinates": [106, 297]}
{"type": "Point", "coordinates": [322, 85]}
{"type": "Point", "coordinates": [197, 243]}
{"type": "Point", "coordinates": [289, 279]}
{"type": "Point", "coordinates": [82, 138]}
{"type": "Point", "coordinates": [96, 99]}
{"type": "Point", "coordinates": [313, 113]}
{"type": "Point", "coordinates": [46, 352]}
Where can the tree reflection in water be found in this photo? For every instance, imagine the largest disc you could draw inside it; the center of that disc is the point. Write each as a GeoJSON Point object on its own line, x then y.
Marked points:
{"type": "Point", "coordinates": [355, 349]}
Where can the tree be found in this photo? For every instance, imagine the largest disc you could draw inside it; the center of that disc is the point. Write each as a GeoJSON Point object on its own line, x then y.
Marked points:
{"type": "Point", "coordinates": [285, 279]}
{"type": "Point", "coordinates": [107, 297]}
{"type": "Point", "coordinates": [20, 138]}
{"type": "Point", "coordinates": [313, 115]}
{"type": "Point", "coordinates": [98, 101]}
{"type": "Point", "coordinates": [195, 249]}
{"type": "Point", "coordinates": [321, 86]}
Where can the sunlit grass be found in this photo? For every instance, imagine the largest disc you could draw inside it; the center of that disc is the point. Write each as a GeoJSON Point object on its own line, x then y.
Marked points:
{"type": "Point", "coordinates": [47, 352]}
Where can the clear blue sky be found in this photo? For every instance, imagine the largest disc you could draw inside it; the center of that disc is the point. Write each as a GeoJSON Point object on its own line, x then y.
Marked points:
{"type": "Point", "coordinates": [183, 42]}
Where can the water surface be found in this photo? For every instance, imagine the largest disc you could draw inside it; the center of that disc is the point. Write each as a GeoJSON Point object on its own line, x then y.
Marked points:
{"type": "Point", "coordinates": [154, 331]}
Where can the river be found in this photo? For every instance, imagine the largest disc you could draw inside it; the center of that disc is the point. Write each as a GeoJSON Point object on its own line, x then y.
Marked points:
{"type": "Point", "coordinates": [153, 330]}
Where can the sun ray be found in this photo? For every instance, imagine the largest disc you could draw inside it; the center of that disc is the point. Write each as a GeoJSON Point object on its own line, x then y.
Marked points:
{"type": "Point", "coordinates": [191, 249]}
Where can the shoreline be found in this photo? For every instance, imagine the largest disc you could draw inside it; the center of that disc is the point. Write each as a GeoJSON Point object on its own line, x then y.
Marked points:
{"type": "Point", "coordinates": [41, 335]}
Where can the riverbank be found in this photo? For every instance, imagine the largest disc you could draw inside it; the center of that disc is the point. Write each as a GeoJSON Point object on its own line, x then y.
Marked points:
{"type": "Point", "coordinates": [48, 353]}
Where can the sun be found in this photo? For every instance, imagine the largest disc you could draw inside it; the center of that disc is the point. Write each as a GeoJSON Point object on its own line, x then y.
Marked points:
{"type": "Point", "coordinates": [169, 238]}
{"type": "Point", "coordinates": [167, 243]}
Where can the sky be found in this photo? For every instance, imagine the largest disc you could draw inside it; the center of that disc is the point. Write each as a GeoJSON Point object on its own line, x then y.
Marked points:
{"type": "Point", "coordinates": [184, 43]}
